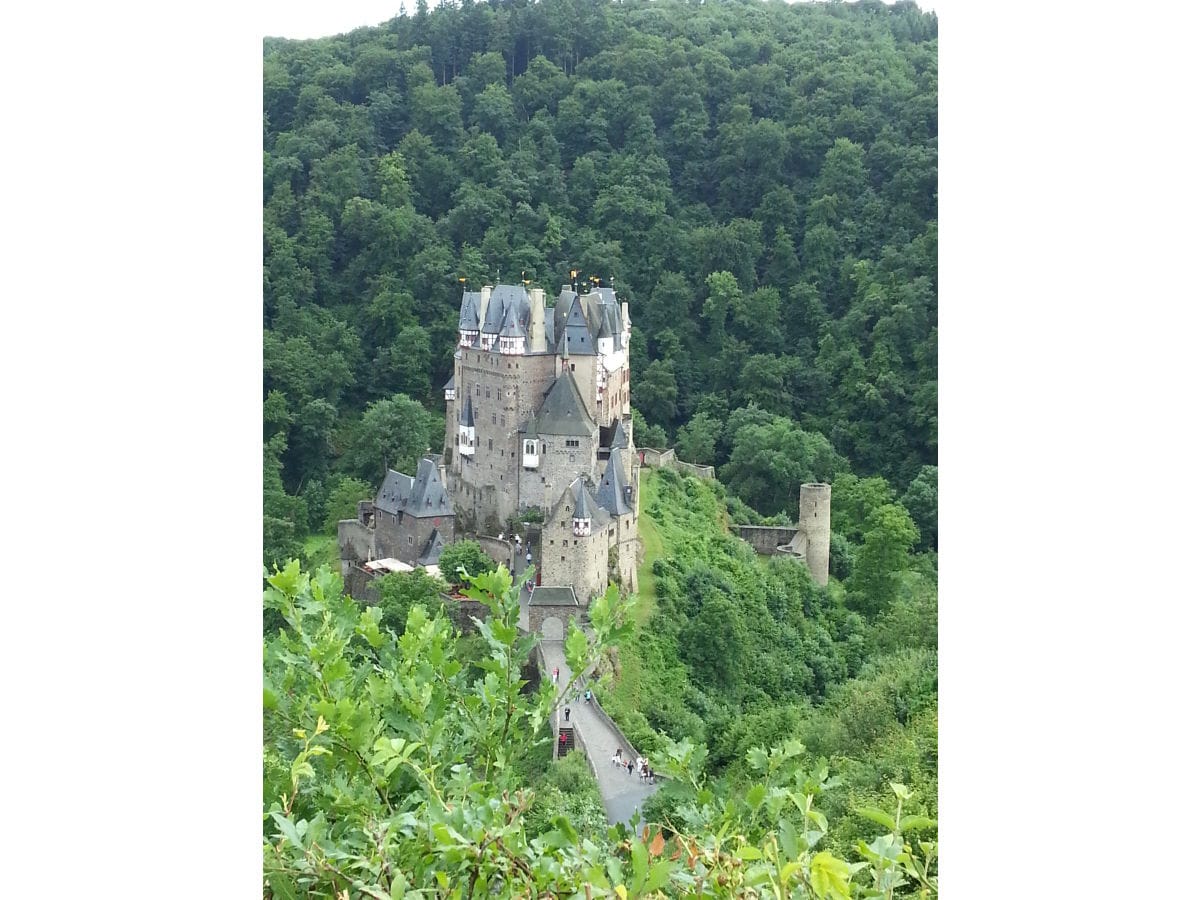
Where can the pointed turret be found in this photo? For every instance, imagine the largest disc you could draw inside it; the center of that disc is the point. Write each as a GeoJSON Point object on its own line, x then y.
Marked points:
{"type": "Point", "coordinates": [612, 493]}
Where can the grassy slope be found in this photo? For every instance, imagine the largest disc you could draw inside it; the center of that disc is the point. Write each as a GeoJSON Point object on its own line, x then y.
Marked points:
{"type": "Point", "coordinates": [658, 540]}
{"type": "Point", "coordinates": [321, 549]}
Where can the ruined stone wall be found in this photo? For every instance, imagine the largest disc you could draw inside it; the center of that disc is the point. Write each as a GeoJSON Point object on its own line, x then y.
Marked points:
{"type": "Point", "coordinates": [765, 538]}
{"type": "Point", "coordinates": [361, 586]}
{"type": "Point", "coordinates": [666, 459]}
{"type": "Point", "coordinates": [355, 540]}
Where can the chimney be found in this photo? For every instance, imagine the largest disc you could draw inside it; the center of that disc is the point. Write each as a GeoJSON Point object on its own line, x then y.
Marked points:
{"type": "Point", "coordinates": [537, 321]}
{"type": "Point", "coordinates": [625, 323]}
{"type": "Point", "coordinates": [485, 294]}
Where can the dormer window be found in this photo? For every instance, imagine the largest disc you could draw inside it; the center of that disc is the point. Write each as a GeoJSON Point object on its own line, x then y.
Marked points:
{"type": "Point", "coordinates": [581, 527]}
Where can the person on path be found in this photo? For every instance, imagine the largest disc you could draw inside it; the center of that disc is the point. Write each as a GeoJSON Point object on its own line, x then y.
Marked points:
{"type": "Point", "coordinates": [567, 711]}
{"type": "Point", "coordinates": [630, 767]}
{"type": "Point", "coordinates": [587, 695]}
{"type": "Point", "coordinates": [562, 745]}
{"type": "Point", "coordinates": [556, 674]}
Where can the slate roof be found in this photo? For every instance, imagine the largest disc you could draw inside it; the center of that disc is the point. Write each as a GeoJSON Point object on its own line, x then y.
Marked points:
{"type": "Point", "coordinates": [428, 497]}
{"type": "Point", "coordinates": [514, 322]}
{"type": "Point", "coordinates": [394, 491]}
{"type": "Point", "coordinates": [468, 313]}
{"type": "Point", "coordinates": [611, 493]}
{"type": "Point", "coordinates": [433, 549]}
{"type": "Point", "coordinates": [605, 329]}
{"type": "Point", "coordinates": [584, 507]}
{"type": "Point", "coordinates": [565, 297]}
{"type": "Point", "coordinates": [466, 415]}
{"type": "Point", "coordinates": [577, 334]}
{"type": "Point", "coordinates": [620, 440]}
{"type": "Point", "coordinates": [563, 411]}
{"type": "Point", "coordinates": [449, 385]}
{"type": "Point", "coordinates": [553, 596]}
{"type": "Point", "coordinates": [504, 296]}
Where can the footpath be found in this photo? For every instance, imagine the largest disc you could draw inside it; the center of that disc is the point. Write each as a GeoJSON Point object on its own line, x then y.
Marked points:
{"type": "Point", "coordinates": [621, 792]}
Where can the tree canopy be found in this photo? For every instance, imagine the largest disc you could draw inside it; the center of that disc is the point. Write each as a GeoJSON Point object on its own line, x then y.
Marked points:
{"type": "Point", "coordinates": [759, 178]}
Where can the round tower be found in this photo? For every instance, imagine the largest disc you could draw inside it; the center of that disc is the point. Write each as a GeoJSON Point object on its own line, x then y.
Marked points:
{"type": "Point", "coordinates": [814, 522]}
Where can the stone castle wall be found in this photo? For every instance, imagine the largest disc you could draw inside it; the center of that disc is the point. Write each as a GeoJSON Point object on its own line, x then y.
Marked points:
{"type": "Point", "coordinates": [355, 541]}
{"type": "Point", "coordinates": [666, 459]}
{"type": "Point", "coordinates": [765, 538]}
{"type": "Point", "coordinates": [578, 561]}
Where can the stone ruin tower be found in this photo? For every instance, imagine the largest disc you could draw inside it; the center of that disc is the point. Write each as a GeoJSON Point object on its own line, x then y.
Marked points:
{"type": "Point", "coordinates": [812, 532]}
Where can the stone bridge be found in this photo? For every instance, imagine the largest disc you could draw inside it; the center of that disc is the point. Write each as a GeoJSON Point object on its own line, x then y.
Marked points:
{"type": "Point", "coordinates": [622, 793]}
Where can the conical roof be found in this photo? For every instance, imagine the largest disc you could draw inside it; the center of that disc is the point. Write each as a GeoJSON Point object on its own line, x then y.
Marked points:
{"type": "Point", "coordinates": [468, 313]}
{"type": "Point", "coordinates": [611, 493]}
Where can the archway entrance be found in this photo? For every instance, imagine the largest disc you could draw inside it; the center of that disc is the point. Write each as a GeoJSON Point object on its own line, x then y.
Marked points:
{"type": "Point", "coordinates": [552, 628]}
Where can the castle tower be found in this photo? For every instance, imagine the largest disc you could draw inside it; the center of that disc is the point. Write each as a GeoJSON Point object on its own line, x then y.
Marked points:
{"type": "Point", "coordinates": [814, 524]}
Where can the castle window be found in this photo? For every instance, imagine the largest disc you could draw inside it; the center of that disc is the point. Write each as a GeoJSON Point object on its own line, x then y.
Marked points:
{"type": "Point", "coordinates": [489, 443]}
{"type": "Point", "coordinates": [562, 559]}
{"type": "Point", "coordinates": [577, 543]}
{"type": "Point", "coordinates": [572, 367]}
{"type": "Point", "coordinates": [487, 392]}
{"type": "Point", "coordinates": [410, 540]}
{"type": "Point", "coordinates": [502, 420]}
{"type": "Point", "coordinates": [477, 389]}
{"type": "Point", "coordinates": [493, 418]}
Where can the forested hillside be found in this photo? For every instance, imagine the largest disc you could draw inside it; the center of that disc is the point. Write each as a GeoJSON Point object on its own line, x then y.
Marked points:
{"type": "Point", "coordinates": [758, 178]}
{"type": "Point", "coordinates": [739, 651]}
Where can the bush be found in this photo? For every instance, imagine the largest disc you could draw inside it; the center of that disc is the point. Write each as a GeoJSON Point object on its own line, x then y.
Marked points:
{"type": "Point", "coordinates": [466, 555]}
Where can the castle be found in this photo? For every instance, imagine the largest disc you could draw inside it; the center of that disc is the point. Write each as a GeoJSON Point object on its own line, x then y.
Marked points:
{"type": "Point", "coordinates": [538, 421]}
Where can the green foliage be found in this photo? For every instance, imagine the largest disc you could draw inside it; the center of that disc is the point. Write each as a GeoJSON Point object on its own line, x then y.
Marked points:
{"type": "Point", "coordinates": [342, 502]}
{"type": "Point", "coordinates": [921, 502]}
{"type": "Point", "coordinates": [769, 462]}
{"type": "Point", "coordinates": [392, 434]}
{"type": "Point", "coordinates": [760, 180]}
{"type": "Point", "coordinates": [466, 556]}
{"type": "Point", "coordinates": [399, 592]}
{"type": "Point", "coordinates": [390, 768]}
{"type": "Point", "coordinates": [890, 536]}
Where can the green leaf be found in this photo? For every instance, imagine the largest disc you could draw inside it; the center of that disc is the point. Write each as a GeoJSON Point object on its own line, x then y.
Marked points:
{"type": "Point", "coordinates": [641, 857]}
{"type": "Point", "coordinates": [563, 824]}
{"type": "Point", "coordinates": [282, 887]}
{"type": "Point", "coordinates": [787, 839]}
{"type": "Point", "coordinates": [660, 874]}
{"type": "Point", "coordinates": [748, 851]}
{"type": "Point", "coordinates": [756, 795]}
{"type": "Point", "coordinates": [918, 823]}
{"type": "Point", "coordinates": [757, 758]}
{"type": "Point", "coordinates": [901, 791]}
{"type": "Point", "coordinates": [819, 818]}
{"type": "Point", "coordinates": [288, 829]}
{"type": "Point", "coordinates": [830, 876]}
{"type": "Point", "coordinates": [878, 816]}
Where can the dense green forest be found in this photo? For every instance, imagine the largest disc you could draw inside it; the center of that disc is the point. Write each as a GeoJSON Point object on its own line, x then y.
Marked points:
{"type": "Point", "coordinates": [759, 179]}
{"type": "Point", "coordinates": [739, 651]}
